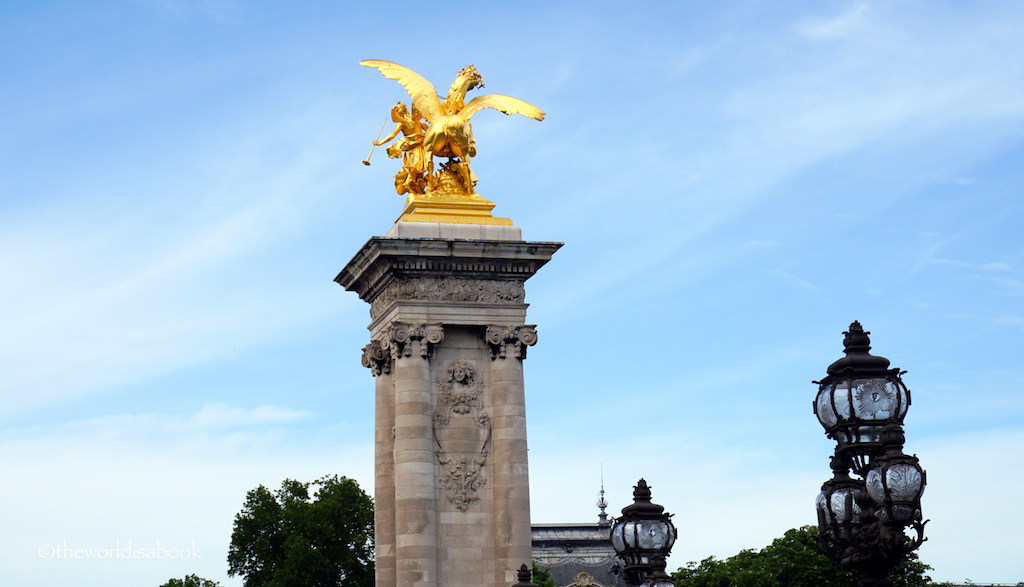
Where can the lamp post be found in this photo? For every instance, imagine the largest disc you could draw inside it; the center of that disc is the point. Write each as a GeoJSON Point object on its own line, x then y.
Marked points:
{"type": "Point", "coordinates": [861, 404]}
{"type": "Point", "coordinates": [643, 537]}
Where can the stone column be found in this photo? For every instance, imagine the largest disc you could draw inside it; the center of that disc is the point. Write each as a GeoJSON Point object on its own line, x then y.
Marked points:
{"type": "Point", "coordinates": [447, 341]}
{"type": "Point", "coordinates": [378, 359]}
{"type": "Point", "coordinates": [510, 474]}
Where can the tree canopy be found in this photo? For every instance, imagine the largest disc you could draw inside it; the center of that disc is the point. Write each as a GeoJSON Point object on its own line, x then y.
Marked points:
{"type": "Point", "coordinates": [191, 581]}
{"type": "Point", "coordinates": [542, 575]}
{"type": "Point", "coordinates": [794, 560]}
{"type": "Point", "coordinates": [288, 537]}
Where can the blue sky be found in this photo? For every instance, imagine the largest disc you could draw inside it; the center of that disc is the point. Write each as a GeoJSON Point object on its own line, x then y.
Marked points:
{"type": "Point", "coordinates": [735, 183]}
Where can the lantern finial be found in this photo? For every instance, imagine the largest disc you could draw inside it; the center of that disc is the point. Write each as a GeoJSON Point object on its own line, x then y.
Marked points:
{"type": "Point", "coordinates": [856, 345]}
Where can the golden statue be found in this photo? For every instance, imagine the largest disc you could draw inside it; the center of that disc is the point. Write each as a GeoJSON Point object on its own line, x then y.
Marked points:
{"type": "Point", "coordinates": [415, 168]}
{"type": "Point", "coordinates": [441, 128]}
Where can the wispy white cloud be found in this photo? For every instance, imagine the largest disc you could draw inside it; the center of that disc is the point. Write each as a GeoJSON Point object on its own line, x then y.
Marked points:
{"type": "Point", "coordinates": [795, 281]}
{"type": "Point", "coordinates": [847, 22]}
{"type": "Point", "coordinates": [894, 78]}
{"type": "Point", "coordinates": [997, 266]}
{"type": "Point", "coordinates": [1009, 319]}
{"type": "Point", "coordinates": [118, 297]}
{"type": "Point", "coordinates": [219, 415]}
{"type": "Point", "coordinates": [1010, 287]}
{"type": "Point", "coordinates": [215, 428]}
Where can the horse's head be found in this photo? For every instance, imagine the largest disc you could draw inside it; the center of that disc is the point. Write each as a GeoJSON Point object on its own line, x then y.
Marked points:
{"type": "Point", "coordinates": [467, 79]}
{"type": "Point", "coordinates": [470, 77]}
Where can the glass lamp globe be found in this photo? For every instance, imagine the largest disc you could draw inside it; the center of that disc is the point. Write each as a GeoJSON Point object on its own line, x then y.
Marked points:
{"type": "Point", "coordinates": [897, 484]}
{"type": "Point", "coordinates": [643, 534]}
{"type": "Point", "coordinates": [858, 398]}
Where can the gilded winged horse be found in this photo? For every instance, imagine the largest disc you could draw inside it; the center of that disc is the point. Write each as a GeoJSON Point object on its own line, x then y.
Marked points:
{"type": "Point", "coordinates": [449, 133]}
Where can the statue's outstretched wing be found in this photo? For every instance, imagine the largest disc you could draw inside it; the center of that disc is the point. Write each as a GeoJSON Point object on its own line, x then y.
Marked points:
{"type": "Point", "coordinates": [506, 104]}
{"type": "Point", "coordinates": [424, 97]}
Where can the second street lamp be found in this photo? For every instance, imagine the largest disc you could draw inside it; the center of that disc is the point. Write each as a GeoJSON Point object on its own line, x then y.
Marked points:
{"type": "Point", "coordinates": [643, 537]}
{"type": "Point", "coordinates": [861, 404]}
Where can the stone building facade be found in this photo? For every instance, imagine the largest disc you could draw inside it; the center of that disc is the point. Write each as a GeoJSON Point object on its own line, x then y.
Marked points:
{"type": "Point", "coordinates": [579, 555]}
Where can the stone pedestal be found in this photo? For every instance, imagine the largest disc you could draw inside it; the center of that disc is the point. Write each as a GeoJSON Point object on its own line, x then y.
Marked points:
{"type": "Point", "coordinates": [447, 341]}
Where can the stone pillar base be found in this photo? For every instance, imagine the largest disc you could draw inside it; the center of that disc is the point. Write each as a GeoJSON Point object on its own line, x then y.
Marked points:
{"type": "Point", "coordinates": [455, 209]}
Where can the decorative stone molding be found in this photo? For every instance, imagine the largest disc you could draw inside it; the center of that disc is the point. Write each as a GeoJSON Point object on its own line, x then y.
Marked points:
{"type": "Point", "coordinates": [380, 353]}
{"type": "Point", "coordinates": [377, 358]}
{"type": "Point", "coordinates": [577, 558]}
{"type": "Point", "coordinates": [462, 431]}
{"type": "Point", "coordinates": [383, 259]}
{"type": "Point", "coordinates": [459, 393]}
{"type": "Point", "coordinates": [400, 336]}
{"type": "Point", "coordinates": [462, 481]}
{"type": "Point", "coordinates": [584, 579]}
{"type": "Point", "coordinates": [448, 289]}
{"type": "Point", "coordinates": [516, 338]}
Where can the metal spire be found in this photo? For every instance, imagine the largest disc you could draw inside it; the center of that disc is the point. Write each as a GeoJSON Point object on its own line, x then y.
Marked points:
{"type": "Point", "coordinates": [602, 503]}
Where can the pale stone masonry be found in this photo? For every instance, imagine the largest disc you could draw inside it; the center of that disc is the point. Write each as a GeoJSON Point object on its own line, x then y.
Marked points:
{"type": "Point", "coordinates": [447, 341]}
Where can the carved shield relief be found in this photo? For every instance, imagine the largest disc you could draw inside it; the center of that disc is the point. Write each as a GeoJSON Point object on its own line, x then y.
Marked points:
{"type": "Point", "coordinates": [462, 431]}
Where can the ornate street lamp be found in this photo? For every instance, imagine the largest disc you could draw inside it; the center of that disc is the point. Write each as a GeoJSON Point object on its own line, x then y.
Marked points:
{"type": "Point", "coordinates": [525, 576]}
{"type": "Point", "coordinates": [658, 576]}
{"type": "Point", "coordinates": [643, 537]}
{"type": "Point", "coordinates": [859, 398]}
{"type": "Point", "coordinates": [861, 404]}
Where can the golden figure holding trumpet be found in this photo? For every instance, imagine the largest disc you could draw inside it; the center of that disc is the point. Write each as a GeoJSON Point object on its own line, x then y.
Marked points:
{"type": "Point", "coordinates": [439, 128]}
{"type": "Point", "coordinates": [415, 168]}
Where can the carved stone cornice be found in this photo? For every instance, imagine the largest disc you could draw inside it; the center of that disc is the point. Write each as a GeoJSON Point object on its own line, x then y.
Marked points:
{"type": "Point", "coordinates": [382, 260]}
{"type": "Point", "coordinates": [446, 288]}
{"type": "Point", "coordinates": [501, 339]}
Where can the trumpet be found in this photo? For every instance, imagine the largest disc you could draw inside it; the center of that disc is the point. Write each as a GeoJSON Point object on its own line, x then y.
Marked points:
{"type": "Point", "coordinates": [372, 146]}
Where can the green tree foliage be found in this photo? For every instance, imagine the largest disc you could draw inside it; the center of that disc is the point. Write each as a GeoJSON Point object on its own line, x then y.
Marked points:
{"type": "Point", "coordinates": [794, 560]}
{"type": "Point", "coordinates": [191, 581]}
{"type": "Point", "coordinates": [542, 576]}
{"type": "Point", "coordinates": [286, 537]}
